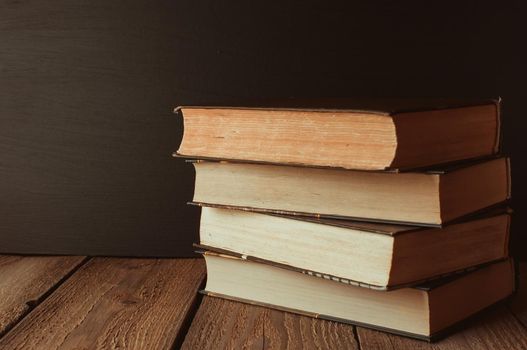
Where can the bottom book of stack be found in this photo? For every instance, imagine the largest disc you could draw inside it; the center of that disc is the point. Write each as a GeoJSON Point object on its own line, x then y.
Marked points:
{"type": "Point", "coordinates": [427, 311]}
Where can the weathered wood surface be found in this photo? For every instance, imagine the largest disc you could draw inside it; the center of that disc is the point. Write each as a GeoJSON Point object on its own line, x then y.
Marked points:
{"type": "Point", "coordinates": [151, 303]}
{"type": "Point", "coordinates": [24, 281]}
{"type": "Point", "coordinates": [224, 324]}
{"type": "Point", "coordinates": [114, 304]}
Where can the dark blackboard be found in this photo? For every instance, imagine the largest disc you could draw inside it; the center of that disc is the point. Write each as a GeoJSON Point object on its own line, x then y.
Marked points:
{"type": "Point", "coordinates": [87, 89]}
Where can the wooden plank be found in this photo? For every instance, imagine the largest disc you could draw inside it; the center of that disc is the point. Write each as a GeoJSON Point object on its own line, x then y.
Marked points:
{"type": "Point", "coordinates": [289, 331]}
{"type": "Point", "coordinates": [114, 303]}
{"type": "Point", "coordinates": [518, 304]}
{"type": "Point", "coordinates": [225, 324]}
{"type": "Point", "coordinates": [24, 281]}
{"type": "Point", "coordinates": [495, 329]}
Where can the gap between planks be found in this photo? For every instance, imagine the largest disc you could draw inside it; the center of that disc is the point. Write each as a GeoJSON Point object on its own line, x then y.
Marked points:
{"type": "Point", "coordinates": [225, 324]}
{"type": "Point", "coordinates": [114, 303]}
{"type": "Point", "coordinates": [26, 281]}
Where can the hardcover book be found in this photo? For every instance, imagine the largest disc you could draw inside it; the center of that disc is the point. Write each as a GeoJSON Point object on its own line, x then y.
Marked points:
{"type": "Point", "coordinates": [430, 198]}
{"type": "Point", "coordinates": [360, 134]}
{"type": "Point", "coordinates": [425, 312]}
{"type": "Point", "coordinates": [377, 256]}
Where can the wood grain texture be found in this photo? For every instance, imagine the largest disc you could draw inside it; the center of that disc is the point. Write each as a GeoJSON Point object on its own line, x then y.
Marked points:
{"type": "Point", "coordinates": [225, 324]}
{"type": "Point", "coordinates": [114, 304]}
{"type": "Point", "coordinates": [222, 324]}
{"type": "Point", "coordinates": [285, 330]}
{"type": "Point", "coordinates": [86, 129]}
{"type": "Point", "coordinates": [495, 329]}
{"type": "Point", "coordinates": [518, 303]}
{"type": "Point", "coordinates": [24, 281]}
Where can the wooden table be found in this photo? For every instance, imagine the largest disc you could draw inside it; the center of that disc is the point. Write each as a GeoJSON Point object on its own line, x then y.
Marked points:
{"type": "Point", "coordinates": [111, 303]}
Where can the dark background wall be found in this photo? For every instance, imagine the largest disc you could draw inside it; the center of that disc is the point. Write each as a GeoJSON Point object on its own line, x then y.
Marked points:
{"type": "Point", "coordinates": [87, 89]}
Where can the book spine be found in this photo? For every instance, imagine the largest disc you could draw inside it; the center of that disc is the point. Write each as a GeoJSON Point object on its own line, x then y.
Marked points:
{"type": "Point", "coordinates": [497, 143]}
{"type": "Point", "coordinates": [509, 178]}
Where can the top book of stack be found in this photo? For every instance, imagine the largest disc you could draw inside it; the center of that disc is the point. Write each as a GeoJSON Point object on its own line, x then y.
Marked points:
{"type": "Point", "coordinates": [362, 135]}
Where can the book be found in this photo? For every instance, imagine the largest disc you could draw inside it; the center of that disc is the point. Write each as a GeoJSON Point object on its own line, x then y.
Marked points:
{"type": "Point", "coordinates": [424, 312]}
{"type": "Point", "coordinates": [430, 198]}
{"type": "Point", "coordinates": [377, 256]}
{"type": "Point", "coordinates": [368, 135]}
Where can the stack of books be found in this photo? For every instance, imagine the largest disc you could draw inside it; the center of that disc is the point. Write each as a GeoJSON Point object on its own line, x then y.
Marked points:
{"type": "Point", "coordinates": [389, 215]}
